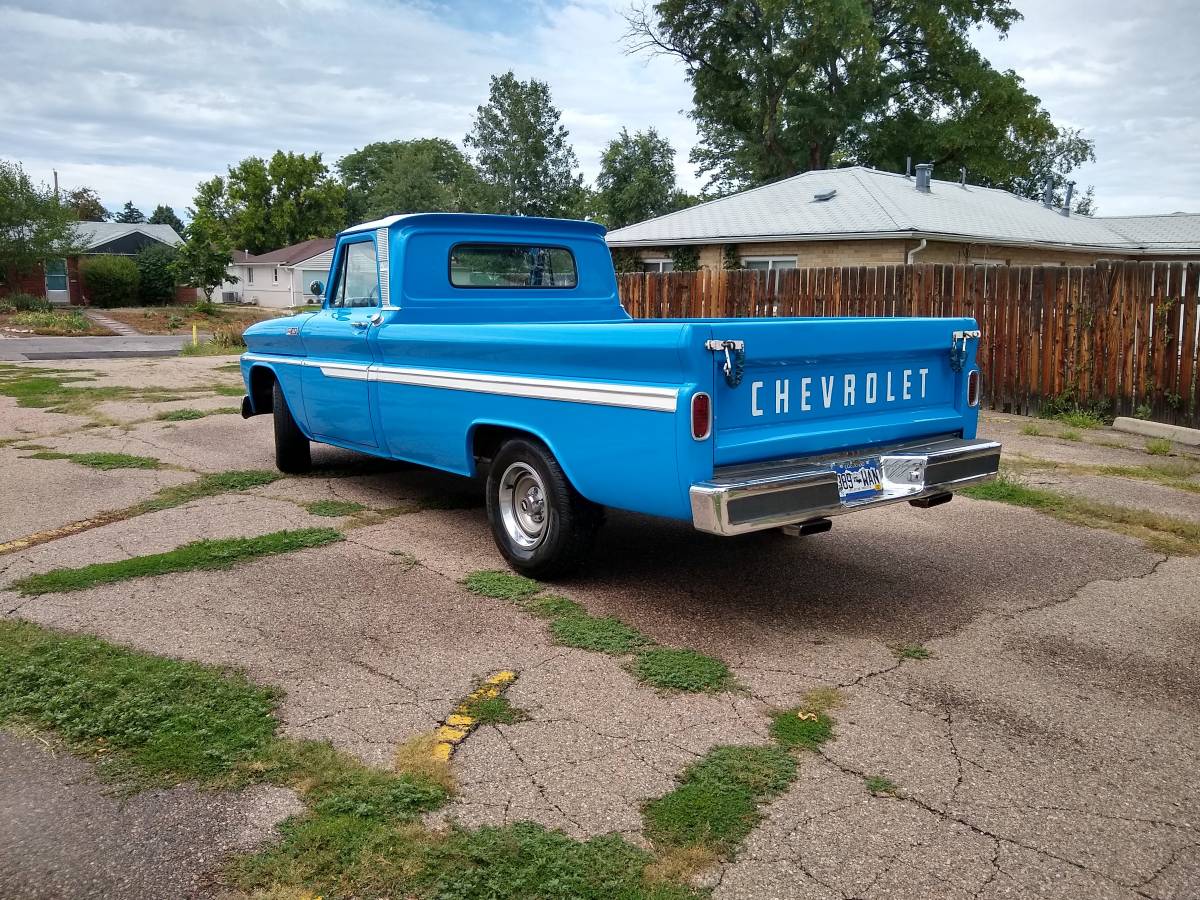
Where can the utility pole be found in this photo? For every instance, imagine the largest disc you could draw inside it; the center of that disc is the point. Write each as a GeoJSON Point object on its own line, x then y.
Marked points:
{"type": "Point", "coordinates": [55, 171]}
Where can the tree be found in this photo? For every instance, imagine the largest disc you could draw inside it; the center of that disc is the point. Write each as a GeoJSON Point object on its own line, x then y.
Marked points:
{"type": "Point", "coordinates": [165, 215]}
{"type": "Point", "coordinates": [203, 259]}
{"type": "Point", "coordinates": [522, 151]}
{"type": "Point", "coordinates": [783, 86]}
{"type": "Point", "coordinates": [424, 175]}
{"type": "Point", "coordinates": [263, 205]}
{"type": "Point", "coordinates": [130, 215]}
{"type": "Point", "coordinates": [637, 178]}
{"type": "Point", "coordinates": [34, 224]}
{"type": "Point", "coordinates": [87, 206]}
{"type": "Point", "coordinates": [156, 274]}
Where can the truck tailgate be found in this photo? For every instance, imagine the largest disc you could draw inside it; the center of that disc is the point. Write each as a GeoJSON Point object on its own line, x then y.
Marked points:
{"type": "Point", "coordinates": [821, 385]}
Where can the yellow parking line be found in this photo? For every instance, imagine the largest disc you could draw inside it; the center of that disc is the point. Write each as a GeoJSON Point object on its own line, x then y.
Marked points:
{"type": "Point", "coordinates": [460, 723]}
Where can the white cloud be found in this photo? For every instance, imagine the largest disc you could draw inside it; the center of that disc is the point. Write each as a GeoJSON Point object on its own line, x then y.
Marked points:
{"type": "Point", "coordinates": [143, 99]}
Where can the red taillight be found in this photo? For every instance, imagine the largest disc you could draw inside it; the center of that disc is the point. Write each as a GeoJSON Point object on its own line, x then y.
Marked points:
{"type": "Point", "coordinates": [973, 388]}
{"type": "Point", "coordinates": [701, 416]}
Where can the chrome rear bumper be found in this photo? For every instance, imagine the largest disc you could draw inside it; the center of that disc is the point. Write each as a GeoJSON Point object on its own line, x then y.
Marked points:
{"type": "Point", "coordinates": [768, 495]}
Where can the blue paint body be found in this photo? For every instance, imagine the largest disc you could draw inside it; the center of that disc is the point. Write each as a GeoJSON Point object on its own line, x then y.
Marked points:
{"type": "Point", "coordinates": [811, 386]}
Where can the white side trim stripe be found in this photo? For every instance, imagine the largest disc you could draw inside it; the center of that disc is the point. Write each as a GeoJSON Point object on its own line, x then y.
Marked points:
{"type": "Point", "coordinates": [632, 396]}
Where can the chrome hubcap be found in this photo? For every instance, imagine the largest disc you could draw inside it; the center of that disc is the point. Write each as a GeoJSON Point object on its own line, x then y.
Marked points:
{"type": "Point", "coordinates": [523, 505]}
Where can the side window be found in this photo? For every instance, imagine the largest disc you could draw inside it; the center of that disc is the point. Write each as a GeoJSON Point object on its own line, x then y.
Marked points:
{"type": "Point", "coordinates": [357, 281]}
{"type": "Point", "coordinates": [511, 266]}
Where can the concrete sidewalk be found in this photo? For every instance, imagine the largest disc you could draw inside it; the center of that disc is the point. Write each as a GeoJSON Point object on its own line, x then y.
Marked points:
{"type": "Point", "coordinates": [116, 347]}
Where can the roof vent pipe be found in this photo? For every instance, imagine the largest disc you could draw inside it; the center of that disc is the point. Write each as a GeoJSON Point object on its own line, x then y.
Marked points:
{"type": "Point", "coordinates": [1048, 194]}
{"type": "Point", "coordinates": [1066, 210]}
{"type": "Point", "coordinates": [908, 167]}
{"type": "Point", "coordinates": [924, 176]}
{"type": "Point", "coordinates": [962, 177]}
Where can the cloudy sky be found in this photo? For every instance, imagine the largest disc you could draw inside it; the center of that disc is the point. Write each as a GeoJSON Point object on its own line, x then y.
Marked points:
{"type": "Point", "coordinates": [142, 99]}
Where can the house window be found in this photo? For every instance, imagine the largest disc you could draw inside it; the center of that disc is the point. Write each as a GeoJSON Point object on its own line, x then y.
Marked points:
{"type": "Point", "coordinates": [249, 274]}
{"type": "Point", "coordinates": [773, 264]}
{"type": "Point", "coordinates": [658, 265]}
{"type": "Point", "coordinates": [56, 275]}
{"type": "Point", "coordinates": [275, 276]}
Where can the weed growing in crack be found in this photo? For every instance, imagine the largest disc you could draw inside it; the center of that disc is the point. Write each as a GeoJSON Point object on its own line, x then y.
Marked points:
{"type": "Point", "coordinates": [682, 670]}
{"type": "Point", "coordinates": [180, 415]}
{"type": "Point", "coordinates": [501, 585]}
{"type": "Point", "coordinates": [602, 635]}
{"type": "Point", "coordinates": [493, 711]}
{"type": "Point", "coordinates": [102, 461]}
{"type": "Point", "coordinates": [881, 786]}
{"type": "Point", "coordinates": [716, 803]}
{"type": "Point", "coordinates": [911, 651]}
{"type": "Point", "coordinates": [334, 508]}
{"type": "Point", "coordinates": [206, 554]}
{"type": "Point", "coordinates": [1159, 532]}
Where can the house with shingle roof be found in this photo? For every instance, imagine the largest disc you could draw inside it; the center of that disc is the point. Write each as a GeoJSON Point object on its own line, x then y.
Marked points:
{"type": "Point", "coordinates": [863, 216]}
{"type": "Point", "coordinates": [279, 278]}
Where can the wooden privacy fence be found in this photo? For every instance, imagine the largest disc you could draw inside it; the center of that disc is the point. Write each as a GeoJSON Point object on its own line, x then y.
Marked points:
{"type": "Point", "coordinates": [1121, 336]}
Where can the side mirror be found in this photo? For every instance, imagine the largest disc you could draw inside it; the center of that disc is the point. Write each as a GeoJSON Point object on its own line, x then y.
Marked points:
{"type": "Point", "coordinates": [316, 289]}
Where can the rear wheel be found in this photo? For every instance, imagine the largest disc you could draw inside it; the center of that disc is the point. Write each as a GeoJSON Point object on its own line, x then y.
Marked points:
{"type": "Point", "coordinates": [292, 449]}
{"type": "Point", "coordinates": [541, 524]}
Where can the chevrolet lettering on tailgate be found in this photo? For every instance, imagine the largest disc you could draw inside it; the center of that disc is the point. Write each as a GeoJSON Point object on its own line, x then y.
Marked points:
{"type": "Point", "coordinates": [497, 346]}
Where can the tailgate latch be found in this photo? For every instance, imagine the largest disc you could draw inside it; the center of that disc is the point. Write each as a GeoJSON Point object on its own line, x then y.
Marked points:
{"type": "Point", "coordinates": [735, 359]}
{"type": "Point", "coordinates": [958, 348]}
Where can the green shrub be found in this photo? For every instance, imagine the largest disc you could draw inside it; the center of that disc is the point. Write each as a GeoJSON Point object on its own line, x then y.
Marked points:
{"type": "Point", "coordinates": [22, 302]}
{"type": "Point", "coordinates": [156, 274]}
{"type": "Point", "coordinates": [110, 281]}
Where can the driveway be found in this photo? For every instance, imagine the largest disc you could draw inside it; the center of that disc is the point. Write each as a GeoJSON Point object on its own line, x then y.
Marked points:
{"type": "Point", "coordinates": [1027, 687]}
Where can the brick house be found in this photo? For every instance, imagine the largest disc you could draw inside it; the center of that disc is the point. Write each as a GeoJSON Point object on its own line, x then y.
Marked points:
{"type": "Point", "coordinates": [58, 279]}
{"type": "Point", "coordinates": [861, 216]}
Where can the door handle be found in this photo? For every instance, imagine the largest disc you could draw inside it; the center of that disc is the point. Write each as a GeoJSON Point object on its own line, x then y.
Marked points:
{"type": "Point", "coordinates": [361, 326]}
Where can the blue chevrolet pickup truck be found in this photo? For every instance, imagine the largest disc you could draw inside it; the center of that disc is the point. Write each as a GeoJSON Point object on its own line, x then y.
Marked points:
{"type": "Point", "coordinates": [497, 346]}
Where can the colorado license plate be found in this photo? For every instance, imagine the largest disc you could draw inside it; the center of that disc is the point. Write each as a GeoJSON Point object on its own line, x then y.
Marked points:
{"type": "Point", "coordinates": [859, 479]}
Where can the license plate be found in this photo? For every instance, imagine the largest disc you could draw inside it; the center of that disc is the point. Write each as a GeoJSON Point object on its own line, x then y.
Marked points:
{"type": "Point", "coordinates": [859, 479]}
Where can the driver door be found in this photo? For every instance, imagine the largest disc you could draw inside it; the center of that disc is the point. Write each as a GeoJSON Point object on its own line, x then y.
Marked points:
{"type": "Point", "coordinates": [339, 354]}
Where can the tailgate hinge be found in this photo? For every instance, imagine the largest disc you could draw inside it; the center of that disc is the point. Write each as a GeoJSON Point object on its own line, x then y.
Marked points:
{"type": "Point", "coordinates": [958, 348]}
{"type": "Point", "coordinates": [735, 359]}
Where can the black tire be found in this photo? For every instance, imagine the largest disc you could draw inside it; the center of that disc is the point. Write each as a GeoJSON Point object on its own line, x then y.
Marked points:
{"type": "Point", "coordinates": [292, 449]}
{"type": "Point", "coordinates": [569, 522]}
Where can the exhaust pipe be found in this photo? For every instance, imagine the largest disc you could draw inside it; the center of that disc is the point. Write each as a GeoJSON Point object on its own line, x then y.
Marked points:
{"type": "Point", "coordinates": [928, 502]}
{"type": "Point", "coordinates": [813, 526]}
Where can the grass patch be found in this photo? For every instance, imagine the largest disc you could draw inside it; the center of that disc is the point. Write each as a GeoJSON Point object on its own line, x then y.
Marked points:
{"type": "Point", "coordinates": [1032, 430]}
{"type": "Point", "coordinates": [492, 711]}
{"type": "Point", "coordinates": [1159, 532]}
{"type": "Point", "coordinates": [205, 554]}
{"type": "Point", "coordinates": [56, 322]}
{"type": "Point", "coordinates": [181, 415]}
{"type": "Point", "coordinates": [103, 461]}
{"type": "Point", "coordinates": [167, 718]}
{"type": "Point", "coordinates": [1070, 434]}
{"type": "Point", "coordinates": [801, 729]}
{"type": "Point", "coordinates": [602, 635]}
{"type": "Point", "coordinates": [1176, 474]}
{"type": "Point", "coordinates": [1080, 419]}
{"type": "Point", "coordinates": [334, 508]}
{"type": "Point", "coordinates": [417, 757]}
{"type": "Point", "coordinates": [716, 803]}
{"type": "Point", "coordinates": [1159, 447]}
{"type": "Point", "coordinates": [206, 486]}
{"type": "Point", "coordinates": [165, 721]}
{"type": "Point", "coordinates": [501, 585]}
{"type": "Point", "coordinates": [881, 786]}
{"type": "Point", "coordinates": [682, 670]}
{"type": "Point", "coordinates": [911, 651]}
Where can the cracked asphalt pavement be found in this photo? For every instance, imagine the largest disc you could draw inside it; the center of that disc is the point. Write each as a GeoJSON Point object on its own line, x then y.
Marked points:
{"type": "Point", "coordinates": [1048, 746]}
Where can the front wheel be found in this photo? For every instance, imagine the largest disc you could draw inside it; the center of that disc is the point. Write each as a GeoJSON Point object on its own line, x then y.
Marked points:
{"type": "Point", "coordinates": [292, 449]}
{"type": "Point", "coordinates": [542, 525]}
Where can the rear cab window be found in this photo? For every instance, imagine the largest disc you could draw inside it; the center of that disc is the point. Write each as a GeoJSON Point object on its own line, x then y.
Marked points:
{"type": "Point", "coordinates": [478, 265]}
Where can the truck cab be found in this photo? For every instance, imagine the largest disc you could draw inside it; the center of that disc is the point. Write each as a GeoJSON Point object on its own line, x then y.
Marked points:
{"type": "Point", "coordinates": [498, 346]}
